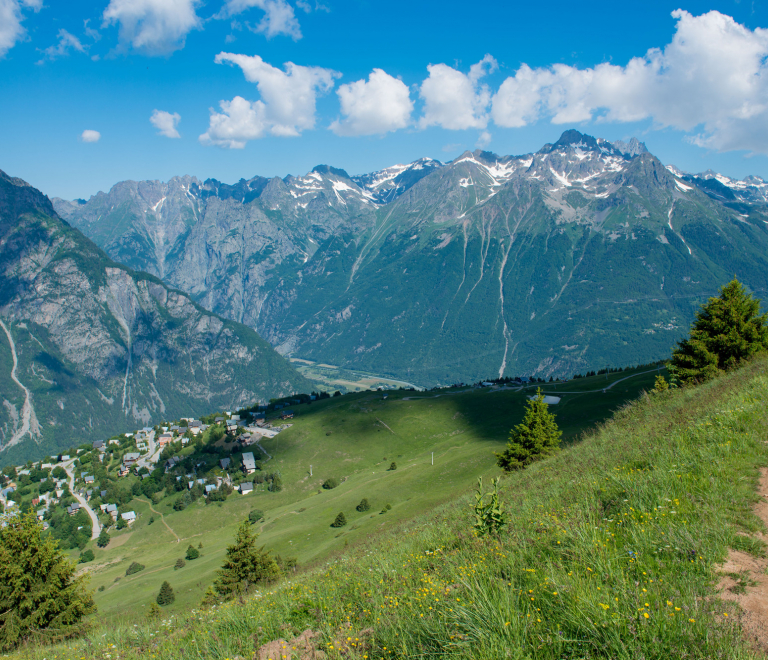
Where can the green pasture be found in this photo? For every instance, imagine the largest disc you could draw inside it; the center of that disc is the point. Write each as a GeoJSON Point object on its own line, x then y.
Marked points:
{"type": "Point", "coordinates": [353, 438]}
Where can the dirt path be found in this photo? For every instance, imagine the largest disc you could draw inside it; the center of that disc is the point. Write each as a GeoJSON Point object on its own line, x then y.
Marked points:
{"type": "Point", "coordinates": [162, 519]}
{"type": "Point", "coordinates": [745, 581]}
{"type": "Point", "coordinates": [263, 451]}
{"type": "Point", "coordinates": [385, 426]}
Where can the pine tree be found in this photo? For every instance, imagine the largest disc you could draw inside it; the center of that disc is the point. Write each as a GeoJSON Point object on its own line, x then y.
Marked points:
{"type": "Point", "coordinates": [364, 505]}
{"type": "Point", "coordinates": [166, 595]}
{"type": "Point", "coordinates": [192, 553]}
{"type": "Point", "coordinates": [244, 565]}
{"type": "Point", "coordinates": [340, 521]}
{"type": "Point", "coordinates": [393, 466]}
{"type": "Point", "coordinates": [535, 437]}
{"type": "Point", "coordinates": [40, 597]}
{"type": "Point", "coordinates": [726, 330]}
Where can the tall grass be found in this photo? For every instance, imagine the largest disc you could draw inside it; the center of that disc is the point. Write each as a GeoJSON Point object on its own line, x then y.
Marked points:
{"type": "Point", "coordinates": [611, 552]}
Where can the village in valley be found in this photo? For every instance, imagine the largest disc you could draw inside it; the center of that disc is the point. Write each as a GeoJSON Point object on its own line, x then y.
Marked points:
{"type": "Point", "coordinates": [87, 492]}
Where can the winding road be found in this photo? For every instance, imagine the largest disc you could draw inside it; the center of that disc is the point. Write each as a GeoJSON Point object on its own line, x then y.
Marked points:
{"type": "Point", "coordinates": [520, 389]}
{"type": "Point", "coordinates": [96, 527]}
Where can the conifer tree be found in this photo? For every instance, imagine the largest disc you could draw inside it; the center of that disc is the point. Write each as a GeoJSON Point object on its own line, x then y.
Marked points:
{"type": "Point", "coordinates": [537, 436]}
{"type": "Point", "coordinates": [340, 521]}
{"type": "Point", "coordinates": [364, 505]}
{"type": "Point", "coordinates": [726, 330]}
{"type": "Point", "coordinates": [244, 565]}
{"type": "Point", "coordinates": [40, 597]}
{"type": "Point", "coordinates": [192, 552]}
{"type": "Point", "coordinates": [166, 595]}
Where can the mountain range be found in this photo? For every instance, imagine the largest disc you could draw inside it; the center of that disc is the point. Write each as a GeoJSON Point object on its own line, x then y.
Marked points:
{"type": "Point", "coordinates": [89, 347]}
{"type": "Point", "coordinates": [582, 255]}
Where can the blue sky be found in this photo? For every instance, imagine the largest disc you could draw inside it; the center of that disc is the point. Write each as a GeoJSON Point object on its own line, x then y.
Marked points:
{"type": "Point", "coordinates": [370, 84]}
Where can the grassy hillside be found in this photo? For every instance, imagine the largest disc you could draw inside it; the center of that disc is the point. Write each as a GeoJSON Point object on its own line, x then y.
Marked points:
{"type": "Point", "coordinates": [353, 438]}
{"type": "Point", "coordinates": [611, 552]}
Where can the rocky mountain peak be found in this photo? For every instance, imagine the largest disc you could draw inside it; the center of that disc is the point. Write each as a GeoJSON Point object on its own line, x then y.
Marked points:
{"type": "Point", "coordinates": [573, 138]}
{"type": "Point", "coordinates": [327, 169]}
{"type": "Point", "coordinates": [632, 148]}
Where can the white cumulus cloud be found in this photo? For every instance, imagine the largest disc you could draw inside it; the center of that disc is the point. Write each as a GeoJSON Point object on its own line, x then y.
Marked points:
{"type": "Point", "coordinates": [90, 136]}
{"type": "Point", "coordinates": [166, 123]}
{"type": "Point", "coordinates": [11, 29]}
{"type": "Point", "coordinates": [378, 106]}
{"type": "Point", "coordinates": [712, 78]}
{"type": "Point", "coordinates": [286, 108]}
{"type": "Point", "coordinates": [155, 27]}
{"type": "Point", "coordinates": [279, 17]}
{"type": "Point", "coordinates": [456, 100]}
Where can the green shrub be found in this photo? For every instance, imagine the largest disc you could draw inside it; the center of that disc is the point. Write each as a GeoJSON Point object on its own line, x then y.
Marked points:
{"type": "Point", "coordinates": [180, 563]}
{"type": "Point", "coordinates": [392, 466]}
{"type": "Point", "coordinates": [86, 556]}
{"type": "Point", "coordinates": [255, 516]}
{"type": "Point", "coordinates": [330, 484]}
{"type": "Point", "coordinates": [276, 485]}
{"type": "Point", "coordinates": [103, 540]}
{"type": "Point", "coordinates": [101, 588]}
{"type": "Point", "coordinates": [192, 553]}
{"type": "Point", "coordinates": [340, 521]}
{"type": "Point", "coordinates": [121, 524]}
{"type": "Point", "coordinates": [135, 567]}
{"type": "Point", "coordinates": [363, 506]}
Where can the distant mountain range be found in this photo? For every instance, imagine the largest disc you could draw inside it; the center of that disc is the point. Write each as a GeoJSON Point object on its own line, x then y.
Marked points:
{"type": "Point", "coordinates": [584, 254]}
{"type": "Point", "coordinates": [89, 347]}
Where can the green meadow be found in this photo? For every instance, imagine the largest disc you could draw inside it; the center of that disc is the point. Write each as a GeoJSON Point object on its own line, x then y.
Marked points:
{"type": "Point", "coordinates": [612, 550]}
{"type": "Point", "coordinates": [354, 439]}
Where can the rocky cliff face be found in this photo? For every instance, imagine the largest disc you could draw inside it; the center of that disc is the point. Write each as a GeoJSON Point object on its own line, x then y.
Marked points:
{"type": "Point", "coordinates": [90, 347]}
{"type": "Point", "coordinates": [582, 255]}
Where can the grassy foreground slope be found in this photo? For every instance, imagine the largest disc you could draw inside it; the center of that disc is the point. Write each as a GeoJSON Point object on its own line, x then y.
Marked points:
{"type": "Point", "coordinates": [353, 438]}
{"type": "Point", "coordinates": [611, 552]}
